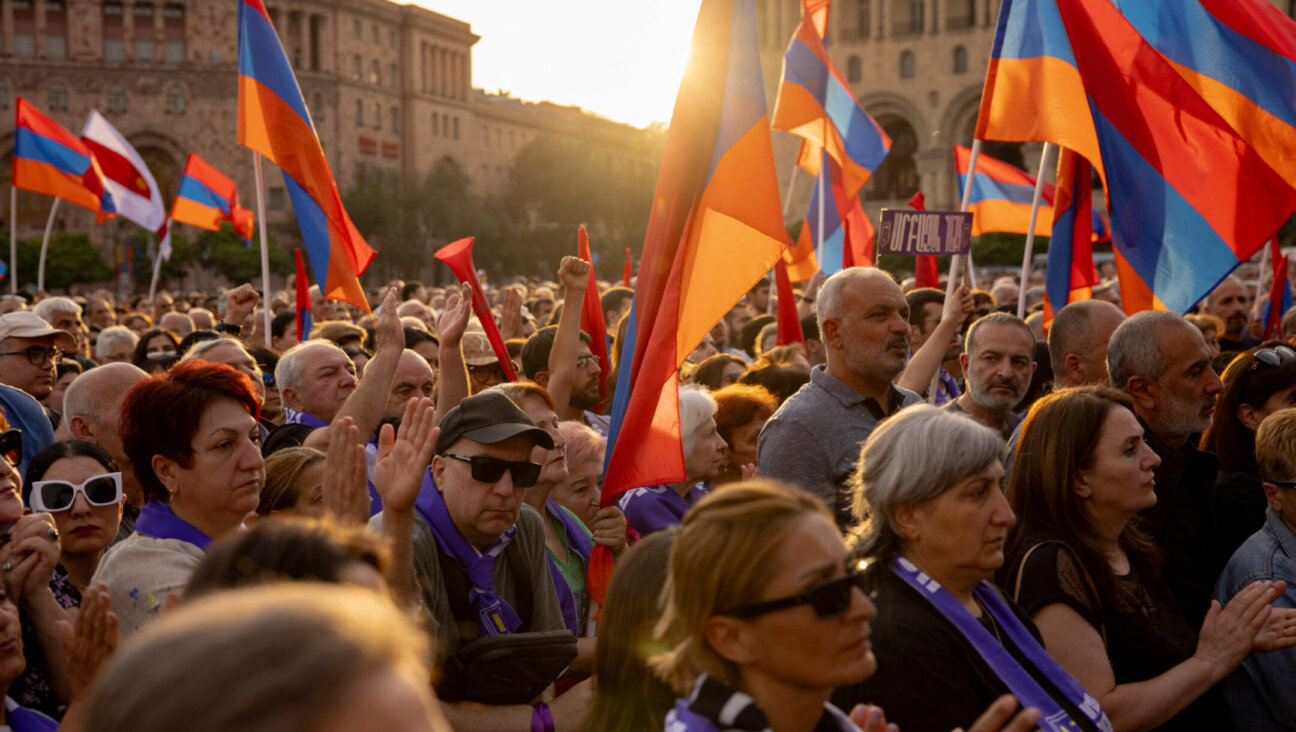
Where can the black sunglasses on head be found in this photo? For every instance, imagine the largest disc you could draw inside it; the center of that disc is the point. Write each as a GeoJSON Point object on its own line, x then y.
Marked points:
{"type": "Point", "coordinates": [11, 446]}
{"type": "Point", "coordinates": [1272, 357]}
{"type": "Point", "coordinates": [830, 598]}
{"type": "Point", "coordinates": [490, 469]}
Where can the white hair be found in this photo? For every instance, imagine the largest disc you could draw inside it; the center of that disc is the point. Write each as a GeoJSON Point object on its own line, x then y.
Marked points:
{"type": "Point", "coordinates": [288, 374]}
{"type": "Point", "coordinates": [49, 306]}
{"type": "Point", "coordinates": [695, 407]}
{"type": "Point", "coordinates": [830, 294]}
{"type": "Point", "coordinates": [112, 336]}
{"type": "Point", "coordinates": [1135, 347]}
{"type": "Point", "coordinates": [200, 348]}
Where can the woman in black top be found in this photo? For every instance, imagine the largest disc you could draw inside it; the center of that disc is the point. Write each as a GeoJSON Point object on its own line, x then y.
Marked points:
{"type": "Point", "coordinates": [1088, 577]}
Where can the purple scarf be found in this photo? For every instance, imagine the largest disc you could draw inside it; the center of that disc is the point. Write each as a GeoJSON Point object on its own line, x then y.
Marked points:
{"type": "Point", "coordinates": [494, 615]}
{"type": "Point", "coordinates": [309, 420]}
{"type": "Point", "coordinates": [579, 543]}
{"type": "Point", "coordinates": [22, 719]}
{"type": "Point", "coordinates": [157, 520]}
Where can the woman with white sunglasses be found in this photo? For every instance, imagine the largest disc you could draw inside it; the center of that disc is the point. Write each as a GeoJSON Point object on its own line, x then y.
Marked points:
{"type": "Point", "coordinates": [79, 485]}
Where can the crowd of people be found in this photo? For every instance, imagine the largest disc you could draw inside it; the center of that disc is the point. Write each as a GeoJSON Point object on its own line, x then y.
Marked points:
{"type": "Point", "coordinates": [926, 513]}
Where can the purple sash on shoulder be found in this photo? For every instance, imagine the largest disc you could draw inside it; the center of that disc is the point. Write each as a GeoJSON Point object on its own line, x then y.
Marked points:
{"type": "Point", "coordinates": [309, 420]}
{"type": "Point", "coordinates": [157, 520]}
{"type": "Point", "coordinates": [1019, 681]}
{"type": "Point", "coordinates": [494, 615]}
{"type": "Point", "coordinates": [22, 719]}
{"type": "Point", "coordinates": [579, 543]}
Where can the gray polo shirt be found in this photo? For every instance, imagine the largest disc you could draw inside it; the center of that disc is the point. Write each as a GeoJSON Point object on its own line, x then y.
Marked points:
{"type": "Point", "coordinates": [813, 441]}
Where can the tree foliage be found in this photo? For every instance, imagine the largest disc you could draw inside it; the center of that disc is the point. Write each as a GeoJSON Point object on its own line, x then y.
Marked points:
{"type": "Point", "coordinates": [71, 259]}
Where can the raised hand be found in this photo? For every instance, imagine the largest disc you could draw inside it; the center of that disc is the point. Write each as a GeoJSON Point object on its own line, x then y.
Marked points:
{"type": "Point", "coordinates": [31, 555]}
{"type": "Point", "coordinates": [403, 456]}
{"type": "Point", "coordinates": [93, 639]}
{"type": "Point", "coordinates": [573, 272]}
{"type": "Point", "coordinates": [454, 318]}
{"type": "Point", "coordinates": [346, 484]}
{"type": "Point", "coordinates": [239, 304]}
{"type": "Point", "coordinates": [510, 309]}
{"type": "Point", "coordinates": [387, 327]}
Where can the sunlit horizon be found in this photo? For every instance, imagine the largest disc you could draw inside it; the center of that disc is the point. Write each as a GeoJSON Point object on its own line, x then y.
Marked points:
{"type": "Point", "coordinates": [619, 60]}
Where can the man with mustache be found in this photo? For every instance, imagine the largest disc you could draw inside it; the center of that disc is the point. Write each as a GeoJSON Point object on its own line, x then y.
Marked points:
{"type": "Point", "coordinates": [998, 359]}
{"type": "Point", "coordinates": [1228, 302]}
{"type": "Point", "coordinates": [1163, 362]}
{"type": "Point", "coordinates": [813, 440]}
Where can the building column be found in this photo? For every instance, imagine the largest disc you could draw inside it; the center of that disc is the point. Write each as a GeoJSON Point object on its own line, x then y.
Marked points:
{"type": "Point", "coordinates": [466, 72]}
{"type": "Point", "coordinates": [933, 23]}
{"type": "Point", "coordinates": [1031, 154]}
{"type": "Point", "coordinates": [38, 40]}
{"type": "Point", "coordinates": [444, 59]}
{"type": "Point", "coordinates": [930, 164]}
{"type": "Point", "coordinates": [879, 15]}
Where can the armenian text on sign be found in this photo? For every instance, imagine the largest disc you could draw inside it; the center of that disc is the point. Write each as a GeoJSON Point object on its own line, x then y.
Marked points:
{"type": "Point", "coordinates": [914, 233]}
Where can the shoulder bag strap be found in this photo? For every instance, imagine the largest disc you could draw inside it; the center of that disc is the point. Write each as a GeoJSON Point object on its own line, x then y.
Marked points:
{"type": "Point", "coordinates": [1089, 581]}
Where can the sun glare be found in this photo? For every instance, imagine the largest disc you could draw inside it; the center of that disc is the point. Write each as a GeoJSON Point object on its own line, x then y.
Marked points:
{"type": "Point", "coordinates": [620, 60]}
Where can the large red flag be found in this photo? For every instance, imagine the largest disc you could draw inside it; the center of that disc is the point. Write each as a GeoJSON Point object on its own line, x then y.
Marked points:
{"type": "Point", "coordinates": [592, 315]}
{"type": "Point", "coordinates": [926, 271]}
{"type": "Point", "coordinates": [789, 323]}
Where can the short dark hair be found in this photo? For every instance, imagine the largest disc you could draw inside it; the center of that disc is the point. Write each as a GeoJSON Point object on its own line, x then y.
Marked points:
{"type": "Point", "coordinates": [415, 336]}
{"type": "Point", "coordinates": [810, 327]}
{"type": "Point", "coordinates": [781, 381]}
{"type": "Point", "coordinates": [279, 324]}
{"type": "Point", "coordinates": [612, 299]}
{"type": "Point", "coordinates": [140, 357]}
{"type": "Point", "coordinates": [161, 413]}
{"type": "Point", "coordinates": [751, 330]}
{"type": "Point", "coordinates": [919, 299]}
{"type": "Point", "coordinates": [708, 372]}
{"type": "Point", "coordinates": [536, 350]}
{"type": "Point", "coordinates": [409, 289]}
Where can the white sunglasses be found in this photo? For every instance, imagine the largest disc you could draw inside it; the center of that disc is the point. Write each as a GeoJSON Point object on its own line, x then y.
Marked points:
{"type": "Point", "coordinates": [49, 496]}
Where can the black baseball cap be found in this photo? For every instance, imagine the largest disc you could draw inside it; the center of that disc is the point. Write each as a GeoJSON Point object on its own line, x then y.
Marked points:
{"type": "Point", "coordinates": [489, 418]}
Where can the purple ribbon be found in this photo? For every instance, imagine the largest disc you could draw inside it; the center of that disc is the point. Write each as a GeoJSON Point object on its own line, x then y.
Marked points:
{"type": "Point", "coordinates": [579, 543]}
{"type": "Point", "coordinates": [541, 718]}
{"type": "Point", "coordinates": [309, 420]}
{"type": "Point", "coordinates": [1028, 692]}
{"type": "Point", "coordinates": [494, 615]}
{"type": "Point", "coordinates": [158, 521]}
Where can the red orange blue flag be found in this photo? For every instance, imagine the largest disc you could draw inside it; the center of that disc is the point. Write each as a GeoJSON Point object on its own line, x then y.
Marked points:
{"type": "Point", "coordinates": [842, 244]}
{"type": "Point", "coordinates": [1279, 300]}
{"type": "Point", "coordinates": [48, 159]}
{"type": "Point", "coordinates": [592, 315]}
{"type": "Point", "coordinates": [305, 319]}
{"type": "Point", "coordinates": [815, 102]}
{"type": "Point", "coordinates": [207, 198]}
{"type": "Point", "coordinates": [273, 120]}
{"type": "Point", "coordinates": [1070, 274]}
{"type": "Point", "coordinates": [1001, 196]}
{"type": "Point", "coordinates": [1080, 74]}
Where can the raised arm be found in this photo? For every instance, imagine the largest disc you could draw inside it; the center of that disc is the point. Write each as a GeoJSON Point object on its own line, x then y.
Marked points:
{"type": "Point", "coordinates": [403, 458]}
{"type": "Point", "coordinates": [922, 368]}
{"type": "Point", "coordinates": [574, 274]}
{"type": "Point", "coordinates": [366, 404]}
{"type": "Point", "coordinates": [452, 374]}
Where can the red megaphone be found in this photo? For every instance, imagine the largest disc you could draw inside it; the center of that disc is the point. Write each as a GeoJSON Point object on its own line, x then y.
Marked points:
{"type": "Point", "coordinates": [458, 257]}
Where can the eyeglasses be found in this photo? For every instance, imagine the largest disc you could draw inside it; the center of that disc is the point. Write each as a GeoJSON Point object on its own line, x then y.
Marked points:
{"type": "Point", "coordinates": [267, 379]}
{"type": "Point", "coordinates": [830, 598]}
{"type": "Point", "coordinates": [583, 362]}
{"type": "Point", "coordinates": [11, 446]}
{"type": "Point", "coordinates": [37, 355]}
{"type": "Point", "coordinates": [1281, 483]}
{"type": "Point", "coordinates": [484, 372]}
{"type": "Point", "coordinates": [48, 496]}
{"type": "Point", "coordinates": [1272, 357]}
{"type": "Point", "coordinates": [490, 469]}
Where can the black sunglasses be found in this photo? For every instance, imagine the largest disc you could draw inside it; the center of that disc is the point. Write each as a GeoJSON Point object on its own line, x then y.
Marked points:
{"type": "Point", "coordinates": [830, 598]}
{"type": "Point", "coordinates": [11, 445]}
{"type": "Point", "coordinates": [490, 469]}
{"type": "Point", "coordinates": [267, 379]}
{"type": "Point", "coordinates": [1281, 483]}
{"type": "Point", "coordinates": [1272, 357]}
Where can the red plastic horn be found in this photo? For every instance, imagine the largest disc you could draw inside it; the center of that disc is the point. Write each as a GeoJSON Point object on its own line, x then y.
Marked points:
{"type": "Point", "coordinates": [458, 257]}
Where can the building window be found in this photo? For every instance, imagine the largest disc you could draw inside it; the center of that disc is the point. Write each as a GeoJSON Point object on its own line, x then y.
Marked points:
{"type": "Point", "coordinates": [217, 58]}
{"type": "Point", "coordinates": [24, 45]}
{"type": "Point", "coordinates": [498, 138]}
{"type": "Point", "coordinates": [374, 34]}
{"type": "Point", "coordinates": [55, 47]}
{"type": "Point", "coordinates": [395, 121]}
{"type": "Point", "coordinates": [391, 75]}
{"type": "Point", "coordinates": [391, 38]}
{"type": "Point", "coordinates": [485, 135]}
{"type": "Point", "coordinates": [355, 29]}
{"type": "Point", "coordinates": [58, 97]}
{"type": "Point", "coordinates": [357, 67]}
{"type": "Point", "coordinates": [436, 125]}
{"type": "Point", "coordinates": [359, 112]}
{"type": "Point", "coordinates": [854, 70]}
{"type": "Point", "coordinates": [907, 65]}
{"type": "Point", "coordinates": [960, 60]}
{"type": "Point", "coordinates": [959, 14]}
{"type": "Point", "coordinates": [317, 108]}
{"type": "Point", "coordinates": [375, 73]}
{"type": "Point", "coordinates": [142, 10]}
{"type": "Point", "coordinates": [173, 48]}
{"type": "Point", "coordinates": [377, 115]}
{"type": "Point", "coordinates": [111, 8]}
{"type": "Point", "coordinates": [863, 18]}
{"type": "Point", "coordinates": [145, 51]}
{"type": "Point", "coordinates": [175, 100]}
{"type": "Point", "coordinates": [512, 142]}
{"type": "Point", "coordinates": [4, 95]}
{"type": "Point", "coordinates": [114, 50]}
{"type": "Point", "coordinates": [916, 15]}
{"type": "Point", "coordinates": [116, 99]}
{"type": "Point", "coordinates": [456, 128]}
{"type": "Point", "coordinates": [173, 52]}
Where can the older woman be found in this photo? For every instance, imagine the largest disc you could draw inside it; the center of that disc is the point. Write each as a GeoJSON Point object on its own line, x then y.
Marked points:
{"type": "Point", "coordinates": [192, 436]}
{"type": "Point", "coordinates": [294, 482]}
{"type": "Point", "coordinates": [1089, 578]}
{"type": "Point", "coordinates": [1256, 384]}
{"type": "Point", "coordinates": [741, 412]}
{"type": "Point", "coordinates": [581, 491]}
{"type": "Point", "coordinates": [654, 508]}
{"type": "Point", "coordinates": [928, 488]}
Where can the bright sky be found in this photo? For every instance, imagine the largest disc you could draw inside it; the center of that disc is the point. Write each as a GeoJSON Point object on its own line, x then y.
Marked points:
{"type": "Point", "coordinates": [620, 59]}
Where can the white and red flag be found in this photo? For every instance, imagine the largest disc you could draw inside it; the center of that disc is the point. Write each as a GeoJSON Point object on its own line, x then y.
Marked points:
{"type": "Point", "coordinates": [133, 187]}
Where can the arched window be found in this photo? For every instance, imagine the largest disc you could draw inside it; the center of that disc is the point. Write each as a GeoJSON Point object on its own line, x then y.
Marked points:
{"type": "Point", "coordinates": [960, 60]}
{"type": "Point", "coordinates": [907, 65]}
{"type": "Point", "coordinates": [359, 109]}
{"type": "Point", "coordinates": [116, 99]}
{"type": "Point", "coordinates": [854, 70]}
{"type": "Point", "coordinates": [58, 97]}
{"type": "Point", "coordinates": [317, 108]}
{"type": "Point", "coordinates": [897, 176]}
{"type": "Point", "coordinates": [175, 100]}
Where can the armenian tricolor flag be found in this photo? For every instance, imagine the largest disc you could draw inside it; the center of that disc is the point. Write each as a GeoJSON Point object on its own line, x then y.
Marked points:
{"type": "Point", "coordinates": [273, 120]}
{"type": "Point", "coordinates": [207, 198]}
{"type": "Point", "coordinates": [1001, 196]}
{"type": "Point", "coordinates": [1070, 274]}
{"type": "Point", "coordinates": [1082, 75]}
{"type": "Point", "coordinates": [838, 247]}
{"type": "Point", "coordinates": [816, 103]}
{"type": "Point", "coordinates": [305, 320]}
{"type": "Point", "coordinates": [715, 229]}
{"type": "Point", "coordinates": [48, 159]}
{"type": "Point", "coordinates": [1279, 300]}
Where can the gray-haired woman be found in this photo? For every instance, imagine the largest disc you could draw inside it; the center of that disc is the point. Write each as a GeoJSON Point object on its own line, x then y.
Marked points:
{"type": "Point", "coordinates": [929, 493]}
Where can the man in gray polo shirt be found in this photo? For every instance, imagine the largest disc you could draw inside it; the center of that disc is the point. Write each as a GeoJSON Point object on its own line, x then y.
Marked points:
{"type": "Point", "coordinates": [813, 440]}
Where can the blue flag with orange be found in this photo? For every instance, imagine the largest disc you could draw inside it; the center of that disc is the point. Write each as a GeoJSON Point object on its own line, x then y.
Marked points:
{"type": "Point", "coordinates": [815, 102]}
{"type": "Point", "coordinates": [207, 198]}
{"type": "Point", "coordinates": [48, 159]}
{"type": "Point", "coordinates": [1082, 74]}
{"type": "Point", "coordinates": [1001, 196]}
{"type": "Point", "coordinates": [843, 245]}
{"type": "Point", "coordinates": [305, 320]}
{"type": "Point", "coordinates": [1279, 300]}
{"type": "Point", "coordinates": [1070, 275]}
{"type": "Point", "coordinates": [273, 120]}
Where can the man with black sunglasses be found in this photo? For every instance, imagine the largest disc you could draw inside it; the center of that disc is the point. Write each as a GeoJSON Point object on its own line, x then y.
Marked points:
{"type": "Point", "coordinates": [479, 553]}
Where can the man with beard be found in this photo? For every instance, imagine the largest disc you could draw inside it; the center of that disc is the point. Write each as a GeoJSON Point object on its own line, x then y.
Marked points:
{"type": "Point", "coordinates": [1228, 302]}
{"type": "Point", "coordinates": [813, 440]}
{"type": "Point", "coordinates": [998, 361]}
{"type": "Point", "coordinates": [1163, 362]}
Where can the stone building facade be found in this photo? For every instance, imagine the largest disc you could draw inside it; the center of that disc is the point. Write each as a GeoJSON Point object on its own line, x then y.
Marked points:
{"type": "Point", "coordinates": [917, 67]}
{"type": "Point", "coordinates": [388, 86]}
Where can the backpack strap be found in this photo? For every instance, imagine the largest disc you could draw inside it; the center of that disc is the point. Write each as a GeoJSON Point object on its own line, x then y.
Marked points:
{"type": "Point", "coordinates": [1089, 581]}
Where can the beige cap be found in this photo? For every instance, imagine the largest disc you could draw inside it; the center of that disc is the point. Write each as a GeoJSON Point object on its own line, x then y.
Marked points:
{"type": "Point", "coordinates": [26, 324]}
{"type": "Point", "coordinates": [477, 349]}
